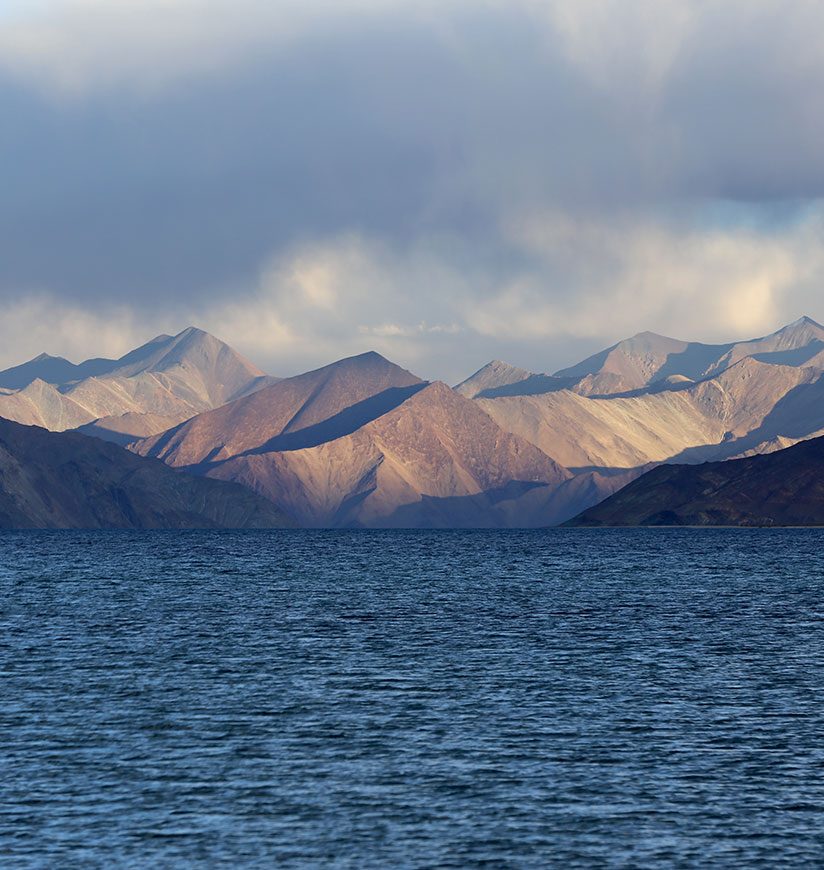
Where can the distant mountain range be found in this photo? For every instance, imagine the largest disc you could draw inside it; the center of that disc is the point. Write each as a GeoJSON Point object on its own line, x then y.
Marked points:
{"type": "Point", "coordinates": [654, 399]}
{"type": "Point", "coordinates": [647, 360]}
{"type": "Point", "coordinates": [161, 383]}
{"type": "Point", "coordinates": [363, 442]}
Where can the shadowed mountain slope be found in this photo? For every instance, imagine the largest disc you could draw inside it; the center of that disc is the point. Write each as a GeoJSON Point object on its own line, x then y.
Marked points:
{"type": "Point", "coordinates": [67, 480]}
{"type": "Point", "coordinates": [647, 358]}
{"type": "Point", "coordinates": [785, 488]}
{"type": "Point", "coordinates": [638, 361]}
{"type": "Point", "coordinates": [500, 379]}
{"type": "Point", "coordinates": [290, 406]}
{"type": "Point", "coordinates": [792, 345]}
{"type": "Point", "coordinates": [122, 429]}
{"type": "Point", "coordinates": [433, 460]}
{"type": "Point", "coordinates": [748, 406]}
{"type": "Point", "coordinates": [50, 370]}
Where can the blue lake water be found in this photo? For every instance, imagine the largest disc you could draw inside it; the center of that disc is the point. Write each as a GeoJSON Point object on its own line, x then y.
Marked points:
{"type": "Point", "coordinates": [570, 698]}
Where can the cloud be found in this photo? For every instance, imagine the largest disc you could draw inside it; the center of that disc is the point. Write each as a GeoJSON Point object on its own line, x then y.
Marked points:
{"type": "Point", "coordinates": [706, 282]}
{"type": "Point", "coordinates": [579, 286]}
{"type": "Point", "coordinates": [346, 295]}
{"type": "Point", "coordinates": [573, 287]}
{"type": "Point", "coordinates": [43, 323]}
{"type": "Point", "coordinates": [76, 47]}
{"type": "Point", "coordinates": [444, 181]}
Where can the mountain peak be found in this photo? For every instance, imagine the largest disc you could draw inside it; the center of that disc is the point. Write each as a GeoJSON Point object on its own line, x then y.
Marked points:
{"type": "Point", "coordinates": [191, 332]}
{"type": "Point", "coordinates": [800, 333]}
{"type": "Point", "coordinates": [650, 339]}
{"type": "Point", "coordinates": [193, 339]}
{"type": "Point", "coordinates": [38, 384]}
{"type": "Point", "coordinates": [803, 321]}
{"type": "Point", "coordinates": [493, 375]}
{"type": "Point", "coordinates": [369, 361]}
{"type": "Point", "coordinates": [302, 402]}
{"type": "Point", "coordinates": [648, 333]}
{"type": "Point", "coordinates": [193, 348]}
{"type": "Point", "coordinates": [498, 366]}
{"type": "Point", "coordinates": [371, 355]}
{"type": "Point", "coordinates": [53, 369]}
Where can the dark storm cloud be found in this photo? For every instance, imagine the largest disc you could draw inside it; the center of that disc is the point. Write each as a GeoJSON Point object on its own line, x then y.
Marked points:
{"type": "Point", "coordinates": [192, 190]}
{"type": "Point", "coordinates": [150, 181]}
{"type": "Point", "coordinates": [744, 100]}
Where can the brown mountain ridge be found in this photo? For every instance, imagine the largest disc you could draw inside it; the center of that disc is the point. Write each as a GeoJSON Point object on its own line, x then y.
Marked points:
{"type": "Point", "coordinates": [785, 488]}
{"type": "Point", "coordinates": [67, 480]}
{"type": "Point", "coordinates": [364, 442]}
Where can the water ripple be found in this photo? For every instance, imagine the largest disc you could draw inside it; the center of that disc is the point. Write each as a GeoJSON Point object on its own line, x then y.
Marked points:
{"type": "Point", "coordinates": [570, 698]}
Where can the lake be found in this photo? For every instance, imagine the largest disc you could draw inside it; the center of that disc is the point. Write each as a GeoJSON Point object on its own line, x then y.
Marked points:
{"type": "Point", "coordinates": [570, 698]}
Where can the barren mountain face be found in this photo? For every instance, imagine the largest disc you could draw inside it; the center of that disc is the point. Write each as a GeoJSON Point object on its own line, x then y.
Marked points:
{"type": "Point", "coordinates": [435, 460]}
{"type": "Point", "coordinates": [778, 489]}
{"type": "Point", "coordinates": [363, 442]}
{"type": "Point", "coordinates": [695, 402]}
{"type": "Point", "coordinates": [316, 406]}
{"type": "Point", "coordinates": [720, 416]}
{"type": "Point", "coordinates": [67, 480]}
{"type": "Point", "coordinates": [493, 376]}
{"type": "Point", "coordinates": [648, 360]}
{"type": "Point", "coordinates": [158, 385]}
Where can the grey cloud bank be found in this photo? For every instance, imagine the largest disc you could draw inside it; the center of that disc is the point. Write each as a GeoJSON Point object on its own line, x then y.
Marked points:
{"type": "Point", "coordinates": [527, 180]}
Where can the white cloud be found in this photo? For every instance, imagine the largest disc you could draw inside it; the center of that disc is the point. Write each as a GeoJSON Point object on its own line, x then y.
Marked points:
{"type": "Point", "coordinates": [580, 286]}
{"type": "Point", "coordinates": [580, 283]}
{"type": "Point", "coordinates": [322, 301]}
{"type": "Point", "coordinates": [40, 323]}
{"type": "Point", "coordinates": [613, 278]}
{"type": "Point", "coordinates": [76, 46]}
{"type": "Point", "coordinates": [613, 41]}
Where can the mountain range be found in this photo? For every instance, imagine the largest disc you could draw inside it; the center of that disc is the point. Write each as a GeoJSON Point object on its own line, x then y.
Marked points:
{"type": "Point", "coordinates": [785, 488]}
{"type": "Point", "coordinates": [68, 480]}
{"type": "Point", "coordinates": [364, 442]}
{"type": "Point", "coordinates": [648, 360]}
{"type": "Point", "coordinates": [654, 399]}
{"type": "Point", "coordinates": [161, 383]}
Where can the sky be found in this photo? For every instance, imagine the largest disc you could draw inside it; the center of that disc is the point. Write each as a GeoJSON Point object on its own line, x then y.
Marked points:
{"type": "Point", "coordinates": [444, 182]}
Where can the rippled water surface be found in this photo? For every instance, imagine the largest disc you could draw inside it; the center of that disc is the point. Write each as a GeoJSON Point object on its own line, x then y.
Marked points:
{"type": "Point", "coordinates": [519, 699]}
